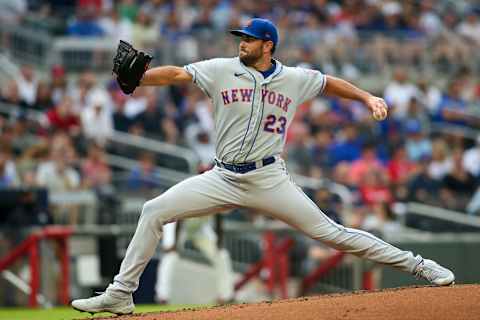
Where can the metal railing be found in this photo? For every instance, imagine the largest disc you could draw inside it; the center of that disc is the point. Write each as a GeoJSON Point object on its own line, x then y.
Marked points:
{"type": "Point", "coordinates": [26, 45]}
{"type": "Point", "coordinates": [443, 214]}
{"type": "Point", "coordinates": [166, 177]}
{"type": "Point", "coordinates": [78, 54]}
{"type": "Point", "coordinates": [177, 154]}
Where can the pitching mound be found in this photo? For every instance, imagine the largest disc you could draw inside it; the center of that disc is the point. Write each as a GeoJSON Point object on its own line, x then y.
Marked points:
{"type": "Point", "coordinates": [455, 302]}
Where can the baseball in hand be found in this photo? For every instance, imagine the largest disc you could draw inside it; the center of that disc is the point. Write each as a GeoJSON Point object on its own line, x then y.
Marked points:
{"type": "Point", "coordinates": [380, 114]}
{"type": "Point", "coordinates": [379, 108]}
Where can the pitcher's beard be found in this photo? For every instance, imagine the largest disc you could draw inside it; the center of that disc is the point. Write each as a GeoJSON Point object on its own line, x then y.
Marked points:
{"type": "Point", "coordinates": [250, 59]}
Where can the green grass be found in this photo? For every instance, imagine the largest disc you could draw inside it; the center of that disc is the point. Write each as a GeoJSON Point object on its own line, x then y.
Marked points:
{"type": "Point", "coordinates": [67, 313]}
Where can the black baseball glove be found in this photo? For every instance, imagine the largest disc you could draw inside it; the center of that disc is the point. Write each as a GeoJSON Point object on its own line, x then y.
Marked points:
{"type": "Point", "coordinates": [129, 65]}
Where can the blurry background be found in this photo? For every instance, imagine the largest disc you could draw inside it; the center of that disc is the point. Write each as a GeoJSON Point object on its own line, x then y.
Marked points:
{"type": "Point", "coordinates": [76, 152]}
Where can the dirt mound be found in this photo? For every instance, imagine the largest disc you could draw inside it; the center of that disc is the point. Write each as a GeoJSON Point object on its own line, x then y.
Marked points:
{"type": "Point", "coordinates": [454, 302]}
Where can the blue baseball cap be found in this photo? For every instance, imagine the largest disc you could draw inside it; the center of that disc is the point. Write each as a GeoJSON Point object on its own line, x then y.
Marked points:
{"type": "Point", "coordinates": [262, 29]}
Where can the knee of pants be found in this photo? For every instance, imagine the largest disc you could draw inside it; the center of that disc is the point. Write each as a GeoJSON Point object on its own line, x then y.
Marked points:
{"type": "Point", "coordinates": [152, 213]}
{"type": "Point", "coordinates": [328, 235]}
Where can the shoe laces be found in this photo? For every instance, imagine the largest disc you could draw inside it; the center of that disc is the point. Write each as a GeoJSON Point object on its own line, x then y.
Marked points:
{"type": "Point", "coordinates": [425, 272]}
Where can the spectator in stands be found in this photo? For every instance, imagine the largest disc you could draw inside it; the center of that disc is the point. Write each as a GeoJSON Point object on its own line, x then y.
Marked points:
{"type": "Point", "coordinates": [43, 97]}
{"type": "Point", "coordinates": [417, 112]}
{"type": "Point", "coordinates": [143, 177]}
{"type": "Point", "coordinates": [137, 102]}
{"type": "Point", "coordinates": [23, 133]}
{"type": "Point", "coordinates": [85, 24]}
{"type": "Point", "coordinates": [97, 5]}
{"type": "Point", "coordinates": [59, 83]}
{"type": "Point", "coordinates": [347, 146]}
{"type": "Point", "coordinates": [373, 187]}
{"type": "Point", "coordinates": [428, 95]}
{"type": "Point", "coordinates": [27, 84]}
{"type": "Point", "coordinates": [330, 203]}
{"type": "Point", "coordinates": [62, 117]}
{"type": "Point", "coordinates": [85, 87]}
{"type": "Point", "coordinates": [423, 188]}
{"type": "Point", "coordinates": [400, 168]}
{"type": "Point", "coordinates": [200, 141]}
{"type": "Point", "coordinates": [58, 176]}
{"type": "Point", "coordinates": [341, 175]}
{"type": "Point", "coordinates": [11, 95]}
{"type": "Point", "coordinates": [120, 121]}
{"type": "Point", "coordinates": [417, 144]}
{"type": "Point", "coordinates": [399, 93]}
{"type": "Point", "coordinates": [368, 161]}
{"type": "Point", "coordinates": [29, 160]}
{"type": "Point", "coordinates": [151, 118]}
{"type": "Point", "coordinates": [471, 159]}
{"type": "Point", "coordinates": [441, 164]}
{"type": "Point", "coordinates": [12, 11]}
{"type": "Point", "coordinates": [170, 130]}
{"type": "Point", "coordinates": [452, 107]}
{"type": "Point", "coordinates": [115, 27]}
{"type": "Point", "coordinates": [400, 171]}
{"type": "Point", "coordinates": [128, 9]}
{"type": "Point", "coordinates": [458, 181]}
{"type": "Point", "coordinates": [97, 124]}
{"type": "Point", "coordinates": [381, 220]}
{"type": "Point", "coordinates": [320, 149]}
{"type": "Point", "coordinates": [470, 27]}
{"type": "Point", "coordinates": [430, 22]}
{"type": "Point", "coordinates": [144, 32]}
{"type": "Point", "coordinates": [8, 170]}
{"type": "Point", "coordinates": [96, 173]}
{"type": "Point", "coordinates": [298, 149]}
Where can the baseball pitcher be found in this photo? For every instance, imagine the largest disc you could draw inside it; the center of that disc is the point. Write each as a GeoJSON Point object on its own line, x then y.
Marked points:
{"type": "Point", "coordinates": [254, 97]}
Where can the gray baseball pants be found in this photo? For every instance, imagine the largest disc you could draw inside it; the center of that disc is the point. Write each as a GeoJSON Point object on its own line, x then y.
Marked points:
{"type": "Point", "coordinates": [269, 190]}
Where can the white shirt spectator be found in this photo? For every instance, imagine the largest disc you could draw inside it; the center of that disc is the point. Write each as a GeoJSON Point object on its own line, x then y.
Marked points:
{"type": "Point", "coordinates": [439, 169]}
{"type": "Point", "coordinates": [203, 111]}
{"type": "Point", "coordinates": [430, 23]}
{"type": "Point", "coordinates": [135, 105]}
{"type": "Point", "coordinates": [11, 11]}
{"type": "Point", "coordinates": [9, 177]}
{"type": "Point", "coordinates": [200, 140]}
{"type": "Point", "coordinates": [470, 28]}
{"type": "Point", "coordinates": [96, 118]}
{"type": "Point", "coordinates": [430, 98]}
{"type": "Point", "coordinates": [97, 124]}
{"type": "Point", "coordinates": [471, 160]}
{"type": "Point", "coordinates": [398, 96]}
{"type": "Point", "coordinates": [27, 85]}
{"type": "Point", "coordinates": [56, 180]}
{"type": "Point", "coordinates": [116, 28]}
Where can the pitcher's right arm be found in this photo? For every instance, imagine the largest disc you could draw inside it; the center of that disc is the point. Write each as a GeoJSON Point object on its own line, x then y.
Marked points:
{"type": "Point", "coordinates": [165, 75]}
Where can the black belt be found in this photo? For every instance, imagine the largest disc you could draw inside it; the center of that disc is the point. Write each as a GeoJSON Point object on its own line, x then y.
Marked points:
{"type": "Point", "coordinates": [244, 167]}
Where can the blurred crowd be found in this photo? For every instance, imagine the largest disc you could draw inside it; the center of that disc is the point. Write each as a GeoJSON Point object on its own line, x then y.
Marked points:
{"type": "Point", "coordinates": [412, 156]}
{"type": "Point", "coordinates": [344, 36]}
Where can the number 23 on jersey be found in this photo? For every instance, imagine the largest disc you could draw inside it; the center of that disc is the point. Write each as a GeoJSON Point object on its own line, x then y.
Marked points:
{"type": "Point", "coordinates": [274, 125]}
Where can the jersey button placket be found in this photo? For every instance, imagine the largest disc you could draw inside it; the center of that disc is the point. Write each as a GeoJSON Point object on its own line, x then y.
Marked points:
{"type": "Point", "coordinates": [255, 119]}
{"type": "Point", "coordinates": [257, 94]}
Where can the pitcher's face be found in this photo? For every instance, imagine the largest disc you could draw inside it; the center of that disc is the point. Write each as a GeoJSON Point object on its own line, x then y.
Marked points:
{"type": "Point", "coordinates": [250, 50]}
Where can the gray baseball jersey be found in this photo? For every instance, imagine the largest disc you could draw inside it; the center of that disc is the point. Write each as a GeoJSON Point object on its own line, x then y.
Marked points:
{"type": "Point", "coordinates": [252, 115]}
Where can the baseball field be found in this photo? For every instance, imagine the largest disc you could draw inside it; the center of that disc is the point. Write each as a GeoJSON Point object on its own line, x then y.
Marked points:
{"type": "Point", "coordinates": [439, 303]}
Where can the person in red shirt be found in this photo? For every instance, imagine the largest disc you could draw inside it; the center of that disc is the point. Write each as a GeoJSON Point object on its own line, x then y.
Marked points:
{"type": "Point", "coordinates": [368, 161]}
{"type": "Point", "coordinates": [374, 189]}
{"type": "Point", "coordinates": [400, 168]}
{"type": "Point", "coordinates": [62, 117]}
